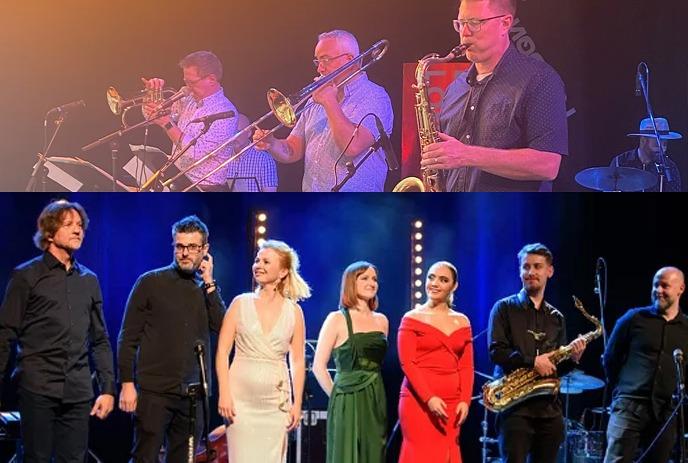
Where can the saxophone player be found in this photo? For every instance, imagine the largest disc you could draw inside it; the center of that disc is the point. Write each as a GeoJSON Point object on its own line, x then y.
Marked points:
{"type": "Point", "coordinates": [503, 122]}
{"type": "Point", "coordinates": [524, 329]}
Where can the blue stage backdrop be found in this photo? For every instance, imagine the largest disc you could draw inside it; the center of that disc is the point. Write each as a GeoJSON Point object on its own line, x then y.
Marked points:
{"type": "Point", "coordinates": [481, 234]}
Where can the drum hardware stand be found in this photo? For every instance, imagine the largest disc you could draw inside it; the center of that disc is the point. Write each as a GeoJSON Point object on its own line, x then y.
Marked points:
{"type": "Point", "coordinates": [308, 396]}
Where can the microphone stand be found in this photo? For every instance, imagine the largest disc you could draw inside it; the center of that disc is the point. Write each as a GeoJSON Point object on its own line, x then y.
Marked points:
{"type": "Point", "coordinates": [352, 168]}
{"type": "Point", "coordinates": [175, 156]}
{"type": "Point", "coordinates": [199, 349]}
{"type": "Point", "coordinates": [661, 166]}
{"type": "Point", "coordinates": [602, 296]}
{"type": "Point", "coordinates": [123, 131]}
{"type": "Point", "coordinates": [681, 418]}
{"type": "Point", "coordinates": [39, 168]}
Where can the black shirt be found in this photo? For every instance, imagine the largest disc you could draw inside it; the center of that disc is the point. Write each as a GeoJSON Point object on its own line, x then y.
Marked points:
{"type": "Point", "coordinates": [514, 321]}
{"type": "Point", "coordinates": [56, 316]}
{"type": "Point", "coordinates": [632, 159]}
{"type": "Point", "coordinates": [168, 313]}
{"type": "Point", "coordinates": [522, 104]}
{"type": "Point", "coordinates": [639, 360]}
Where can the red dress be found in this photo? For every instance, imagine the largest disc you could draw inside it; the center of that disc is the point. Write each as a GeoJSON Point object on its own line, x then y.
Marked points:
{"type": "Point", "coordinates": [435, 365]}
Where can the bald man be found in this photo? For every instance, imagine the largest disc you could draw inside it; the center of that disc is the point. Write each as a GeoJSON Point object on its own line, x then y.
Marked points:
{"type": "Point", "coordinates": [639, 364]}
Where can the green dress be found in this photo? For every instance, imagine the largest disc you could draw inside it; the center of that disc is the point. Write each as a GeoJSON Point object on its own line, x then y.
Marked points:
{"type": "Point", "coordinates": [357, 412]}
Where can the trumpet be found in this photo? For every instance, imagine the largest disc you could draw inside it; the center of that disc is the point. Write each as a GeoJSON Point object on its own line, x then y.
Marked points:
{"type": "Point", "coordinates": [120, 106]}
{"type": "Point", "coordinates": [287, 109]}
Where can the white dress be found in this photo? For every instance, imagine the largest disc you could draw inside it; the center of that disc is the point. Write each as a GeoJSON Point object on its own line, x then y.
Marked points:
{"type": "Point", "coordinates": [260, 386]}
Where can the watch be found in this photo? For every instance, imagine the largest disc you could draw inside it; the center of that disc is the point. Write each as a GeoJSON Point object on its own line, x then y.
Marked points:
{"type": "Point", "coordinates": [168, 126]}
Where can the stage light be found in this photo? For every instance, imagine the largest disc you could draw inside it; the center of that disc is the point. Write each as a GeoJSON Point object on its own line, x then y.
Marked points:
{"type": "Point", "coordinates": [260, 228]}
{"type": "Point", "coordinates": [416, 237]}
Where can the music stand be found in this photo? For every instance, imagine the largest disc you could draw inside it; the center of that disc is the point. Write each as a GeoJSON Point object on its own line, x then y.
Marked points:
{"type": "Point", "coordinates": [242, 184]}
{"type": "Point", "coordinates": [149, 160]}
{"type": "Point", "coordinates": [74, 174]}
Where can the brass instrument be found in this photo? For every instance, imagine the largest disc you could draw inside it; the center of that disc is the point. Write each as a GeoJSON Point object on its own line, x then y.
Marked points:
{"type": "Point", "coordinates": [522, 384]}
{"type": "Point", "coordinates": [286, 109]}
{"type": "Point", "coordinates": [428, 125]}
{"type": "Point", "coordinates": [120, 106]}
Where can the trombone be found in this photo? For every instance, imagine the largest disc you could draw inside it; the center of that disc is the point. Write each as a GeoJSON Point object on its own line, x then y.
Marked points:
{"type": "Point", "coordinates": [285, 109]}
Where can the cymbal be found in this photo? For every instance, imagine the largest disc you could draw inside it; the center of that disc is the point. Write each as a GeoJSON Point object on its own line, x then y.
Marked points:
{"type": "Point", "coordinates": [616, 179]}
{"type": "Point", "coordinates": [579, 380]}
{"type": "Point", "coordinates": [564, 389]}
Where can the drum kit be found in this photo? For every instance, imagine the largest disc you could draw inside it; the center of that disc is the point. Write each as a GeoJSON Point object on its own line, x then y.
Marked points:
{"type": "Point", "coordinates": [581, 444]}
{"type": "Point", "coordinates": [616, 179]}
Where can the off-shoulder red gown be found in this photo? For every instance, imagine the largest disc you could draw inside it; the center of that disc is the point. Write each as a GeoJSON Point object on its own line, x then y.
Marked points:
{"type": "Point", "coordinates": [434, 364]}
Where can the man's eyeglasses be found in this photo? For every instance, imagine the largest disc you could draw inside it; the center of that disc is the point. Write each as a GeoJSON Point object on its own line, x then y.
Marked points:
{"type": "Point", "coordinates": [193, 248]}
{"type": "Point", "coordinates": [473, 24]}
{"type": "Point", "coordinates": [325, 60]}
{"type": "Point", "coordinates": [194, 81]}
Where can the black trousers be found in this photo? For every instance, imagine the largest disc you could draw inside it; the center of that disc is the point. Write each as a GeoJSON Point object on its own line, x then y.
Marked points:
{"type": "Point", "coordinates": [520, 436]}
{"type": "Point", "coordinates": [164, 418]}
{"type": "Point", "coordinates": [632, 425]}
{"type": "Point", "coordinates": [51, 428]}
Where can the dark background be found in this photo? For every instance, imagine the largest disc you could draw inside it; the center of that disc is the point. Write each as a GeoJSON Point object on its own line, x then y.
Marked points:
{"type": "Point", "coordinates": [480, 233]}
{"type": "Point", "coordinates": [56, 52]}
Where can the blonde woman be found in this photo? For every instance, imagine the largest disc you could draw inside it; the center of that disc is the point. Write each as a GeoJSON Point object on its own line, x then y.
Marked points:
{"type": "Point", "coordinates": [260, 397]}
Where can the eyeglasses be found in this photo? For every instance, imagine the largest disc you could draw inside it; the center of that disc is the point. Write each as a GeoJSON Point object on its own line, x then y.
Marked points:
{"type": "Point", "coordinates": [473, 24]}
{"type": "Point", "coordinates": [195, 81]}
{"type": "Point", "coordinates": [325, 60]}
{"type": "Point", "coordinates": [193, 248]}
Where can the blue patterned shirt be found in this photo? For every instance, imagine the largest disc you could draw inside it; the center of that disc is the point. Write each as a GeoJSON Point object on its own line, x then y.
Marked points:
{"type": "Point", "coordinates": [253, 171]}
{"type": "Point", "coordinates": [361, 96]}
{"type": "Point", "coordinates": [522, 104]}
{"type": "Point", "coordinates": [220, 131]}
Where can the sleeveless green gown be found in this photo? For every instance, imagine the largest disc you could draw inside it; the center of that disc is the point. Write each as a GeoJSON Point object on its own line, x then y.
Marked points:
{"type": "Point", "coordinates": [357, 411]}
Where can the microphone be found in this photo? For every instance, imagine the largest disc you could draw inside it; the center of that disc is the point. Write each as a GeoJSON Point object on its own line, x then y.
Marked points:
{"type": "Point", "coordinates": [386, 144]}
{"type": "Point", "coordinates": [637, 83]}
{"type": "Point", "coordinates": [184, 91]}
{"type": "Point", "coordinates": [68, 107]}
{"type": "Point", "coordinates": [213, 117]}
{"type": "Point", "coordinates": [678, 360]}
{"type": "Point", "coordinates": [199, 348]}
{"type": "Point", "coordinates": [598, 270]}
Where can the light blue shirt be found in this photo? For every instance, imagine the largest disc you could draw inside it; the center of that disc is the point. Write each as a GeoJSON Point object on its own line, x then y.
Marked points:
{"type": "Point", "coordinates": [361, 96]}
{"type": "Point", "coordinates": [188, 109]}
